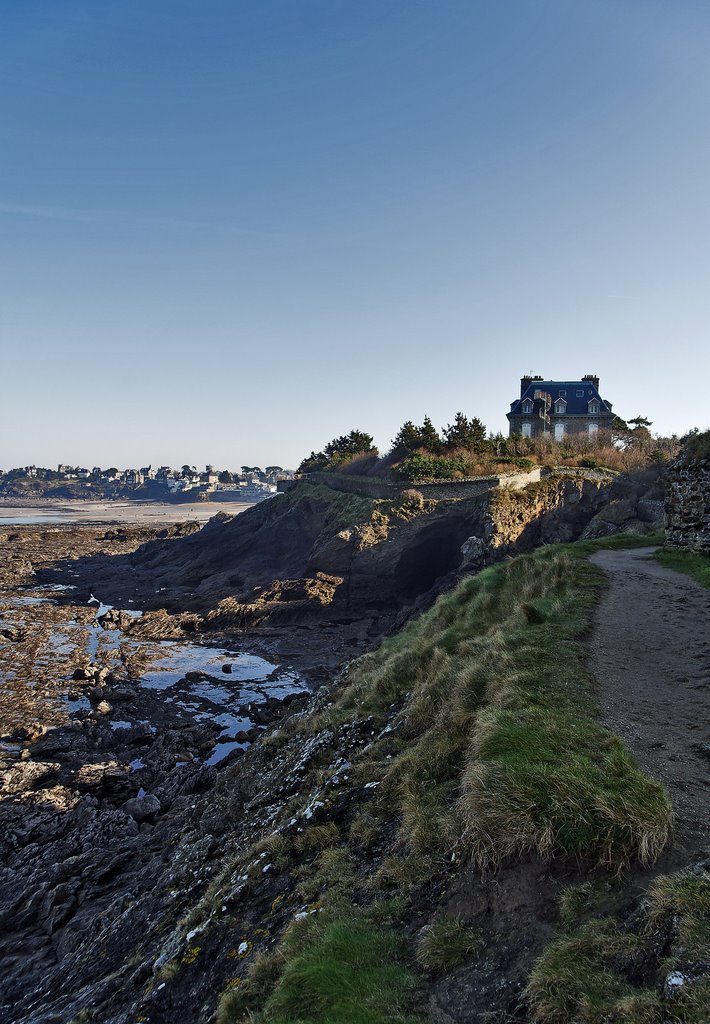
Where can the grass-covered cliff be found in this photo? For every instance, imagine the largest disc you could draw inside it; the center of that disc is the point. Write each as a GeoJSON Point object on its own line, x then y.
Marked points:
{"type": "Point", "coordinates": [462, 755]}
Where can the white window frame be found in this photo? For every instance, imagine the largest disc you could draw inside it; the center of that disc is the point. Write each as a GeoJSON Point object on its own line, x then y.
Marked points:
{"type": "Point", "coordinates": [592, 429]}
{"type": "Point", "coordinates": [527, 429]}
{"type": "Point", "coordinates": [527, 407]}
{"type": "Point", "coordinates": [560, 431]}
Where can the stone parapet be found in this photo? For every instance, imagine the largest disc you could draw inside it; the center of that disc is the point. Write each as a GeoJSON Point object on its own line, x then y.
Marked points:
{"type": "Point", "coordinates": [441, 490]}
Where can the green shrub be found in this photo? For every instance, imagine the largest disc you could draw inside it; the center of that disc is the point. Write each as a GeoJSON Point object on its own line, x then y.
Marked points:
{"type": "Point", "coordinates": [430, 467]}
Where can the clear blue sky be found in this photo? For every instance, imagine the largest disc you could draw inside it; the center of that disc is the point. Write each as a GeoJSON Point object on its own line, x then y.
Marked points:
{"type": "Point", "coordinates": [231, 229]}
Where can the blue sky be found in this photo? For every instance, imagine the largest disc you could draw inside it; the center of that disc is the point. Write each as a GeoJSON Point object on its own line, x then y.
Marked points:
{"type": "Point", "coordinates": [230, 230]}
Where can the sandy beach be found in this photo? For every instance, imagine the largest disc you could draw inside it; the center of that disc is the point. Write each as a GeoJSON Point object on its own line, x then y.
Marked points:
{"type": "Point", "coordinates": [137, 513]}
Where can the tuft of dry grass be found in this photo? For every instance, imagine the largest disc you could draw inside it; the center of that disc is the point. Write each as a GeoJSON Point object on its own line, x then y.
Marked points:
{"type": "Point", "coordinates": [447, 943]}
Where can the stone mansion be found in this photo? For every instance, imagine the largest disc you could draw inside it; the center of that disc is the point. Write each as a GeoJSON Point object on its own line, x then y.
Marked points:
{"type": "Point", "coordinates": [559, 407]}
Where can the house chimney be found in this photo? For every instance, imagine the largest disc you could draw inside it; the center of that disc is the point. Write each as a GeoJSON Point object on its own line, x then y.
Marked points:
{"type": "Point", "coordinates": [592, 378]}
{"type": "Point", "coordinates": [526, 381]}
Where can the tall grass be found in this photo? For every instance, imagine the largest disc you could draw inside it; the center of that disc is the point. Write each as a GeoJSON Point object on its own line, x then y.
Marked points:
{"type": "Point", "coordinates": [500, 747]}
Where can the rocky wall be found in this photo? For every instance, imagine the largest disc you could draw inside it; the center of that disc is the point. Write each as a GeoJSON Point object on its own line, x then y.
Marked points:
{"type": "Point", "coordinates": [687, 504]}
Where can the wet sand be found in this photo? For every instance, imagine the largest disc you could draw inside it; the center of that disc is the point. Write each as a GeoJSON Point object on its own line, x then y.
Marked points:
{"type": "Point", "coordinates": [135, 513]}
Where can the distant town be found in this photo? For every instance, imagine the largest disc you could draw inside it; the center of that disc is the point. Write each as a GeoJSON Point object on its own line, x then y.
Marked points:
{"type": "Point", "coordinates": [249, 484]}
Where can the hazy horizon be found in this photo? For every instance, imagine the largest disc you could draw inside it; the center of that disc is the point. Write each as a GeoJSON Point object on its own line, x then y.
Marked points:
{"type": "Point", "coordinates": [231, 231]}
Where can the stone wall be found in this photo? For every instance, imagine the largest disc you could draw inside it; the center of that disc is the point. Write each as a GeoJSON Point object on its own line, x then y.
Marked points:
{"type": "Point", "coordinates": [687, 518]}
{"type": "Point", "coordinates": [441, 490]}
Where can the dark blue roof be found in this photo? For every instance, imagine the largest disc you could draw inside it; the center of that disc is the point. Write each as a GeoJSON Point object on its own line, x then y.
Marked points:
{"type": "Point", "coordinates": [577, 405]}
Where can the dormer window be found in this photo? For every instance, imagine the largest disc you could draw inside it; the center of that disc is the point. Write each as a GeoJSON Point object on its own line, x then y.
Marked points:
{"type": "Point", "coordinates": [593, 406]}
{"type": "Point", "coordinates": [527, 407]}
{"type": "Point", "coordinates": [560, 405]}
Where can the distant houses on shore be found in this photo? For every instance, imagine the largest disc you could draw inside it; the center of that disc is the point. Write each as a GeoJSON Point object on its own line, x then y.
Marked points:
{"type": "Point", "coordinates": [251, 483]}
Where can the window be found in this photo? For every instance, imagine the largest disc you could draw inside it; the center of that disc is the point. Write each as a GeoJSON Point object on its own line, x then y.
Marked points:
{"type": "Point", "coordinates": [594, 407]}
{"type": "Point", "coordinates": [559, 431]}
{"type": "Point", "coordinates": [563, 392]}
{"type": "Point", "coordinates": [527, 407]}
{"type": "Point", "coordinates": [580, 394]}
{"type": "Point", "coordinates": [560, 406]}
{"type": "Point", "coordinates": [592, 429]}
{"type": "Point", "coordinates": [527, 429]}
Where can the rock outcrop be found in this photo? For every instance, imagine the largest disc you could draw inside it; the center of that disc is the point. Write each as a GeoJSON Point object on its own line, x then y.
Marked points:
{"type": "Point", "coordinates": [316, 555]}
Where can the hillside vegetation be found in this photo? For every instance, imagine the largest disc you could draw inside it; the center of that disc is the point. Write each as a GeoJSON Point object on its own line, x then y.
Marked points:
{"type": "Point", "coordinates": [485, 746]}
{"type": "Point", "coordinates": [465, 448]}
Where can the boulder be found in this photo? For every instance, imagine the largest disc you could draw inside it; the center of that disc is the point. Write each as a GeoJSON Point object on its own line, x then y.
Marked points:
{"type": "Point", "coordinates": [141, 808]}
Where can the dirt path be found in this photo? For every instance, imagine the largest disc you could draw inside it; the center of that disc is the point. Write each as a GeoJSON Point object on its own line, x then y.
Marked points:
{"type": "Point", "coordinates": [650, 652]}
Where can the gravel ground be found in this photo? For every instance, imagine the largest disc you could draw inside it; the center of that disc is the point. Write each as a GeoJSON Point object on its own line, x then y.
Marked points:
{"type": "Point", "coordinates": [650, 653]}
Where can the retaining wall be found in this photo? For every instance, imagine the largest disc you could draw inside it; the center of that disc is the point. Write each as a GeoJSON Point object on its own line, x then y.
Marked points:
{"type": "Point", "coordinates": [441, 490]}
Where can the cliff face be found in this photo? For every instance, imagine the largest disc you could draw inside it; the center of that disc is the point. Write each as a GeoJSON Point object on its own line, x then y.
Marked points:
{"type": "Point", "coordinates": [316, 555]}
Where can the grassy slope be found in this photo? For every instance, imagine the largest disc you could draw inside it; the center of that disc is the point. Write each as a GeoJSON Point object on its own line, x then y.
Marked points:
{"type": "Point", "coordinates": [490, 745]}
{"type": "Point", "coordinates": [692, 563]}
{"type": "Point", "coordinates": [498, 748]}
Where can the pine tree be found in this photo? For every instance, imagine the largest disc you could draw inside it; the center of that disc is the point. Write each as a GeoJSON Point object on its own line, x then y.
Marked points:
{"type": "Point", "coordinates": [465, 433]}
{"type": "Point", "coordinates": [407, 440]}
{"type": "Point", "coordinates": [429, 437]}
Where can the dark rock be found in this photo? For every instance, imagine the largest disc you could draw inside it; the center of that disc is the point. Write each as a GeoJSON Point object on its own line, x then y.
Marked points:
{"type": "Point", "coordinates": [142, 808]}
{"type": "Point", "coordinates": [30, 732]}
{"type": "Point", "coordinates": [122, 693]}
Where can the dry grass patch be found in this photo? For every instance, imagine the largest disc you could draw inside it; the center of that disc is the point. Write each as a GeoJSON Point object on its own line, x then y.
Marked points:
{"type": "Point", "coordinates": [447, 943]}
{"type": "Point", "coordinates": [656, 972]}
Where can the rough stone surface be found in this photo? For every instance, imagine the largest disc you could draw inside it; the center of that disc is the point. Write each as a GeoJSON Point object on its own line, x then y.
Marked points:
{"type": "Point", "coordinates": [688, 504]}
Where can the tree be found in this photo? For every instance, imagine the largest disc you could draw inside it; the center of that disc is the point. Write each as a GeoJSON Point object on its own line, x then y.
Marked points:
{"type": "Point", "coordinates": [640, 421]}
{"type": "Point", "coordinates": [407, 440]}
{"type": "Point", "coordinates": [188, 470]}
{"type": "Point", "coordinates": [225, 477]}
{"type": "Point", "coordinates": [270, 470]}
{"type": "Point", "coordinates": [349, 445]}
{"type": "Point", "coordinates": [316, 460]}
{"type": "Point", "coordinates": [429, 437]}
{"type": "Point", "coordinates": [411, 438]}
{"type": "Point", "coordinates": [465, 433]}
{"type": "Point", "coordinates": [340, 450]}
